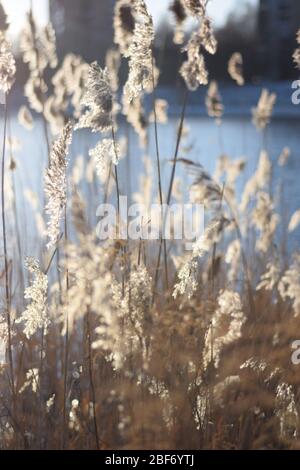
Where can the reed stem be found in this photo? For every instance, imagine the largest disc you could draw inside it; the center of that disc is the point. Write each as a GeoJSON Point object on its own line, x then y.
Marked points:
{"type": "Point", "coordinates": [162, 239]}
{"type": "Point", "coordinates": [171, 184]}
{"type": "Point", "coordinates": [66, 358]}
{"type": "Point", "coordinates": [92, 383]}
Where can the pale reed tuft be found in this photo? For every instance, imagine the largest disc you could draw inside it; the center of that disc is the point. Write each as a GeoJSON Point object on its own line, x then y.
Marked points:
{"type": "Point", "coordinates": [287, 410]}
{"type": "Point", "coordinates": [270, 278]}
{"type": "Point", "coordinates": [230, 309]}
{"type": "Point", "coordinates": [265, 220]}
{"type": "Point", "coordinates": [25, 118]}
{"type": "Point", "coordinates": [259, 180]}
{"type": "Point", "coordinates": [188, 273]}
{"type": "Point", "coordinates": [141, 73]}
{"type": "Point", "coordinates": [32, 381]}
{"type": "Point", "coordinates": [98, 98]}
{"type": "Point", "coordinates": [134, 309]}
{"type": "Point", "coordinates": [193, 70]}
{"type": "Point", "coordinates": [284, 156]}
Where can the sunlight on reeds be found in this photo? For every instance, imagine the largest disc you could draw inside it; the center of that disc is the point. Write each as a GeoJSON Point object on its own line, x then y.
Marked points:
{"type": "Point", "coordinates": [124, 344]}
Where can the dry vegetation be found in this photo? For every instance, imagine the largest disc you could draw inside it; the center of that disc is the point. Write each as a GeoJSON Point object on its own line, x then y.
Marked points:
{"type": "Point", "coordinates": [132, 345]}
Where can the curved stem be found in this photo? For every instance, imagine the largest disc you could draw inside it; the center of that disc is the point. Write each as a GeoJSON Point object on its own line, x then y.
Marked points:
{"type": "Point", "coordinates": [7, 293]}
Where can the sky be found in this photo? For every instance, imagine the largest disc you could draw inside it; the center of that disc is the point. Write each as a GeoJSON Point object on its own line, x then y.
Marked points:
{"type": "Point", "coordinates": [218, 10]}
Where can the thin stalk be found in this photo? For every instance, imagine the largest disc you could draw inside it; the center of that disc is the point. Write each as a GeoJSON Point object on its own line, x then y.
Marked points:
{"type": "Point", "coordinates": [7, 294]}
{"type": "Point", "coordinates": [92, 383]}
